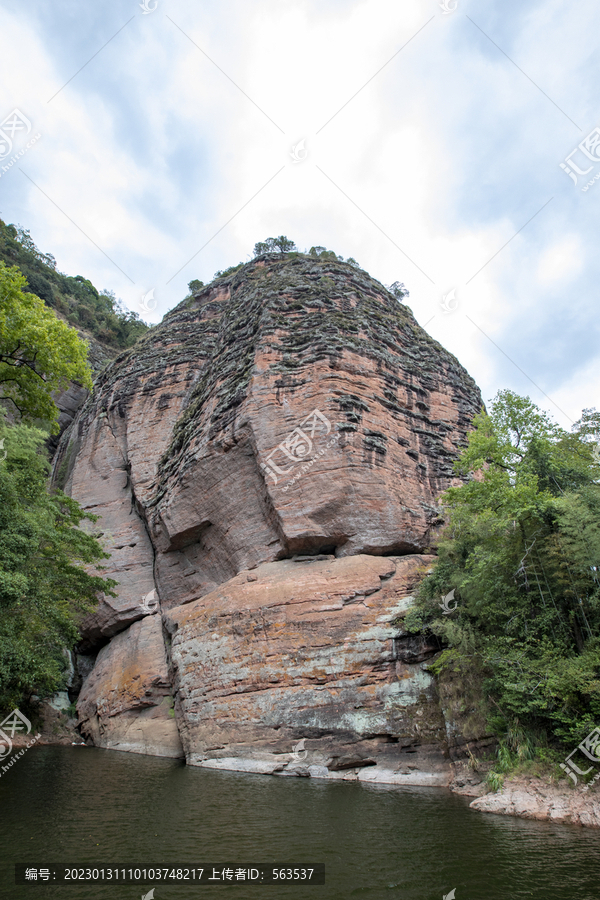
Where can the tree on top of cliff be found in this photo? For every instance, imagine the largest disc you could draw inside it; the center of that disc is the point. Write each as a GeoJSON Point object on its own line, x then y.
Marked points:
{"type": "Point", "coordinates": [280, 244]}
{"type": "Point", "coordinates": [398, 290]}
{"type": "Point", "coordinates": [39, 353]}
{"type": "Point", "coordinates": [323, 253]}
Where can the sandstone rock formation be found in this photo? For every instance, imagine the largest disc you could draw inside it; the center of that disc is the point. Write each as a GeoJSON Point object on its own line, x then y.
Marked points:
{"type": "Point", "coordinates": [310, 650]}
{"type": "Point", "coordinates": [70, 400]}
{"type": "Point", "coordinates": [292, 409]}
{"type": "Point", "coordinates": [125, 703]}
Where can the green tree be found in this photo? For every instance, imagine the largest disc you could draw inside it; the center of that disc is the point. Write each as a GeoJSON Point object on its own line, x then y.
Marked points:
{"type": "Point", "coordinates": [284, 245]}
{"type": "Point", "coordinates": [521, 550]}
{"type": "Point", "coordinates": [39, 354]}
{"type": "Point", "coordinates": [44, 587]}
{"type": "Point", "coordinates": [398, 290]}
{"type": "Point", "coordinates": [323, 253]}
{"type": "Point", "coordinates": [280, 244]}
{"type": "Point", "coordinates": [195, 285]}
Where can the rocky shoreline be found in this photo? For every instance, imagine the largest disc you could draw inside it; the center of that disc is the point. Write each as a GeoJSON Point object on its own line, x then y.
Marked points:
{"type": "Point", "coordinates": [522, 797]}
{"type": "Point", "coordinates": [535, 798]}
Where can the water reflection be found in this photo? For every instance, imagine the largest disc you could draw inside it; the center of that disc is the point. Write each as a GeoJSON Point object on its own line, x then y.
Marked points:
{"type": "Point", "coordinates": [85, 806]}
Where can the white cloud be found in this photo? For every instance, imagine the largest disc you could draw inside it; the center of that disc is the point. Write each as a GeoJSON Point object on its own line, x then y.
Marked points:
{"type": "Point", "coordinates": [445, 153]}
{"type": "Point", "coordinates": [562, 260]}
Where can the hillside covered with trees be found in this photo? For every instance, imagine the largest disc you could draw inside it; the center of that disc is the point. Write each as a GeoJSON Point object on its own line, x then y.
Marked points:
{"type": "Point", "coordinates": [74, 298]}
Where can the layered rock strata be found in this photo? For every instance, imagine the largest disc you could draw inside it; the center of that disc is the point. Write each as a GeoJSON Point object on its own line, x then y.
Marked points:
{"type": "Point", "coordinates": [266, 465]}
{"type": "Point", "coordinates": [126, 702]}
{"type": "Point", "coordinates": [536, 799]}
{"type": "Point", "coordinates": [295, 407]}
{"type": "Point", "coordinates": [301, 667]}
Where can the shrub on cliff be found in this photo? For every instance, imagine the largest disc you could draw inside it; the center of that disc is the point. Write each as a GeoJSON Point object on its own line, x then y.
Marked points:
{"type": "Point", "coordinates": [44, 587]}
{"type": "Point", "coordinates": [399, 290]}
{"type": "Point", "coordinates": [522, 553]}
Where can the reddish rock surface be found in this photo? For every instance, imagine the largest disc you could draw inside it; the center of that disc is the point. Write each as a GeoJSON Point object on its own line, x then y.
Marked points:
{"type": "Point", "coordinates": [125, 702]}
{"type": "Point", "coordinates": [267, 464]}
{"type": "Point", "coordinates": [312, 651]}
{"type": "Point", "coordinates": [294, 407]}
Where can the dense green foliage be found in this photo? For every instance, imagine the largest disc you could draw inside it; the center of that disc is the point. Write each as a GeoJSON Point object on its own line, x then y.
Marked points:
{"type": "Point", "coordinates": [39, 353]}
{"type": "Point", "coordinates": [75, 298]}
{"type": "Point", "coordinates": [521, 551]}
{"type": "Point", "coordinates": [43, 585]}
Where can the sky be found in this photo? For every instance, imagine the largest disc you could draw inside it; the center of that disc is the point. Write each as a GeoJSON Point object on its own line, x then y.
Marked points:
{"type": "Point", "coordinates": [452, 145]}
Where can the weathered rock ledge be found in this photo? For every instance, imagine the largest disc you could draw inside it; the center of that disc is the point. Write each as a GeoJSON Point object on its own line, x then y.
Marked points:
{"type": "Point", "coordinates": [532, 798]}
{"type": "Point", "coordinates": [296, 667]}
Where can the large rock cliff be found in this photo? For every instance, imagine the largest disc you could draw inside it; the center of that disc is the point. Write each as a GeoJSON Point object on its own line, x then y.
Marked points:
{"type": "Point", "coordinates": [266, 464]}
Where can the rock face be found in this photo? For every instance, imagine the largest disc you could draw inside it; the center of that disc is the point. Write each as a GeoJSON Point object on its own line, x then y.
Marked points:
{"type": "Point", "coordinates": [309, 650]}
{"type": "Point", "coordinates": [296, 407]}
{"type": "Point", "coordinates": [125, 703]}
{"type": "Point", "coordinates": [293, 409]}
{"type": "Point", "coordinates": [74, 396]}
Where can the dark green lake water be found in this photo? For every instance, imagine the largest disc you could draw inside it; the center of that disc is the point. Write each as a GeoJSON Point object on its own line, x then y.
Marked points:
{"type": "Point", "coordinates": [93, 807]}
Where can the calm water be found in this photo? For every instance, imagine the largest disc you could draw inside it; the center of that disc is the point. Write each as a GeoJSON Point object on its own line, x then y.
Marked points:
{"type": "Point", "coordinates": [86, 806]}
